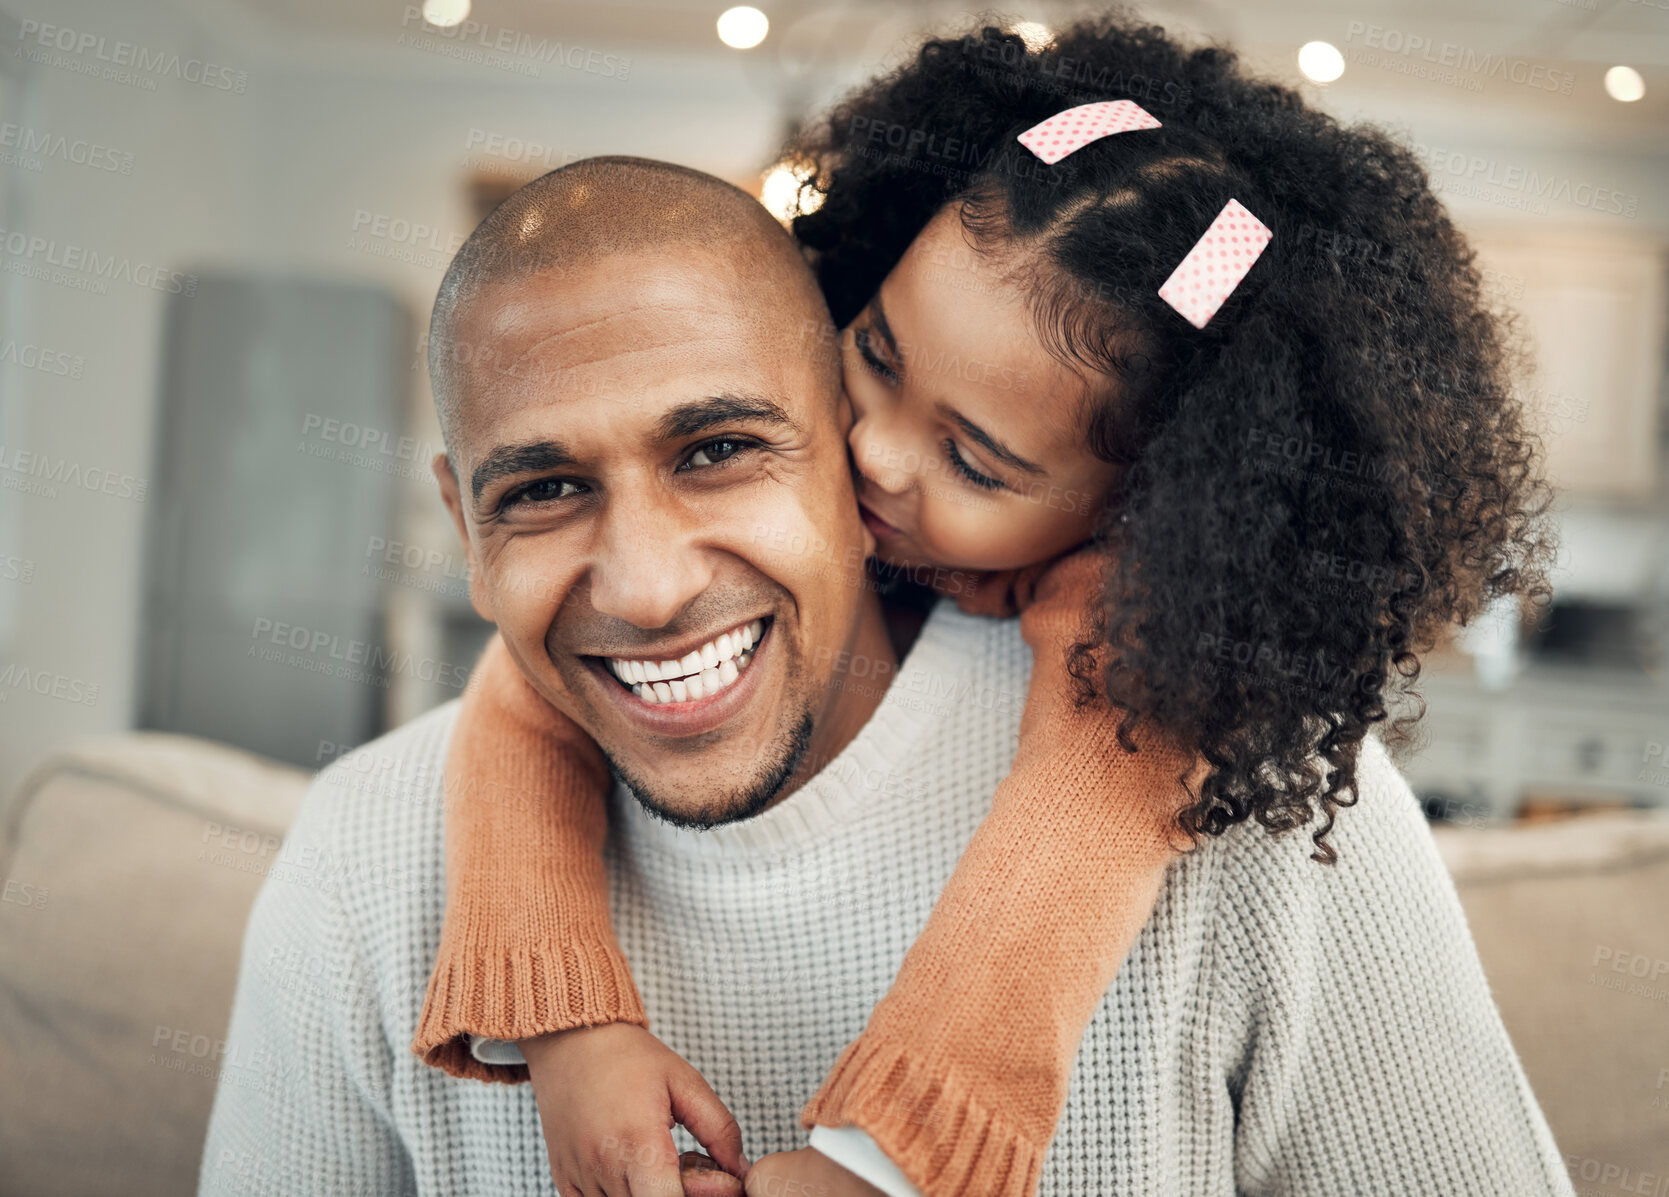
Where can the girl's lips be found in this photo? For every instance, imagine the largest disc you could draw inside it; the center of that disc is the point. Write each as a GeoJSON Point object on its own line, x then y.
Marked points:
{"type": "Point", "coordinates": [878, 526]}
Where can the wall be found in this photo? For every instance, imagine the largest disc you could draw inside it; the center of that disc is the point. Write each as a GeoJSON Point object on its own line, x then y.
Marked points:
{"type": "Point", "coordinates": [330, 140]}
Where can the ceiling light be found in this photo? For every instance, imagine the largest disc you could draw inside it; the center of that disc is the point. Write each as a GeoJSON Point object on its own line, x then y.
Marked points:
{"type": "Point", "coordinates": [443, 14]}
{"type": "Point", "coordinates": [1625, 84]}
{"type": "Point", "coordinates": [780, 193]}
{"type": "Point", "coordinates": [1320, 61]}
{"type": "Point", "coordinates": [742, 27]}
{"type": "Point", "coordinates": [1035, 34]}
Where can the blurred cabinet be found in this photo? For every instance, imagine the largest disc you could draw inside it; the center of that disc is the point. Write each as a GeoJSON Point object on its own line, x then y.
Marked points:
{"type": "Point", "coordinates": [1594, 308]}
{"type": "Point", "coordinates": [279, 455]}
{"type": "Point", "coordinates": [1573, 734]}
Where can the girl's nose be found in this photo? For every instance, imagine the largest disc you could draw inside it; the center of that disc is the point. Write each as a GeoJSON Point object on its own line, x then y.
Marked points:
{"type": "Point", "coordinates": [878, 461]}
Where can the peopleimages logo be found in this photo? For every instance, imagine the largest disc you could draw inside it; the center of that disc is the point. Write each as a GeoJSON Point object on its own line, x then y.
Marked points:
{"type": "Point", "coordinates": [374, 449]}
{"type": "Point", "coordinates": [1535, 75]}
{"type": "Point", "coordinates": [110, 58]}
{"type": "Point", "coordinates": [518, 150]}
{"type": "Point", "coordinates": [468, 40]}
{"type": "Point", "coordinates": [1471, 171]}
{"type": "Point", "coordinates": [22, 146]}
{"type": "Point", "coordinates": [39, 473]}
{"type": "Point", "coordinates": [47, 684]}
{"type": "Point", "coordinates": [38, 255]}
{"type": "Point", "coordinates": [348, 658]}
{"type": "Point", "coordinates": [42, 358]}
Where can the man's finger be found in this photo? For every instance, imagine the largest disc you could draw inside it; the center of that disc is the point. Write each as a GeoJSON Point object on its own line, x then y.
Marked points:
{"type": "Point", "coordinates": [703, 1177]}
{"type": "Point", "coordinates": [699, 1110]}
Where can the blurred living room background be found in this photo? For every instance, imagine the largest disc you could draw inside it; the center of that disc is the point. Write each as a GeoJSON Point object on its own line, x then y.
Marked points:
{"type": "Point", "coordinates": [224, 562]}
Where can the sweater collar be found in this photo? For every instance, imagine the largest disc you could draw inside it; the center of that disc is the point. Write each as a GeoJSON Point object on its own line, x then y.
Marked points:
{"type": "Point", "coordinates": [869, 770]}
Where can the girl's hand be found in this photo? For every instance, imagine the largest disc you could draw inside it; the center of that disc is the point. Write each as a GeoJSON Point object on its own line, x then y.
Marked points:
{"type": "Point", "coordinates": [608, 1098]}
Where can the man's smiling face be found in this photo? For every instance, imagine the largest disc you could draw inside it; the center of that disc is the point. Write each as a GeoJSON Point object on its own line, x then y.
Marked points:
{"type": "Point", "coordinates": [627, 491]}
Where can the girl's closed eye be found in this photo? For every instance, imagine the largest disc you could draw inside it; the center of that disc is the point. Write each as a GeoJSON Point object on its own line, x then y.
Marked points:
{"type": "Point", "coordinates": [866, 349]}
{"type": "Point", "coordinates": [961, 466]}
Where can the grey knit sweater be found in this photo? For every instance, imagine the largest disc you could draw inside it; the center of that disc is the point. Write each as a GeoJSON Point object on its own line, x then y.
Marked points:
{"type": "Point", "coordinates": [1280, 1027]}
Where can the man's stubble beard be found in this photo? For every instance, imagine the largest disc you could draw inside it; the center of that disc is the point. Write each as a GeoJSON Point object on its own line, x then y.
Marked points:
{"type": "Point", "coordinates": [736, 807]}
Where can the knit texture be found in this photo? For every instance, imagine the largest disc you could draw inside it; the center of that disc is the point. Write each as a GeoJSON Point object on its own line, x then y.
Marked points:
{"type": "Point", "coordinates": [977, 1037]}
{"type": "Point", "coordinates": [1280, 1027]}
{"type": "Point", "coordinates": [1062, 878]}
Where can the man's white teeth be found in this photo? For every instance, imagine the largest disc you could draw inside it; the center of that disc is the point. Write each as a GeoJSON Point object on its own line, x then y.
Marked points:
{"type": "Point", "coordinates": [704, 672]}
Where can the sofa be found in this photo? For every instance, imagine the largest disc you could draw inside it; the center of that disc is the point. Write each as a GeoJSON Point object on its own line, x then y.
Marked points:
{"type": "Point", "coordinates": [129, 865]}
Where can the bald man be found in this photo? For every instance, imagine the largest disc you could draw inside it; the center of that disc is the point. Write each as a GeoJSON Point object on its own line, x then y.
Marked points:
{"type": "Point", "coordinates": [645, 450]}
{"type": "Point", "coordinates": [661, 415]}
{"type": "Point", "coordinates": [640, 406]}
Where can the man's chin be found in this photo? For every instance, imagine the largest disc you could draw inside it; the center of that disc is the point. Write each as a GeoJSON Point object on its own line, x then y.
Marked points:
{"type": "Point", "coordinates": [700, 809]}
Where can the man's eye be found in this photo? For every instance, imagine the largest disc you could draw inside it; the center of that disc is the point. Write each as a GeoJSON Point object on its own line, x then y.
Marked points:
{"type": "Point", "coordinates": [545, 490]}
{"type": "Point", "coordinates": [715, 452]}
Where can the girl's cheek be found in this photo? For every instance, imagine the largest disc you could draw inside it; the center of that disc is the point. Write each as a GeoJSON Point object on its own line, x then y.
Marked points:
{"type": "Point", "coordinates": [976, 532]}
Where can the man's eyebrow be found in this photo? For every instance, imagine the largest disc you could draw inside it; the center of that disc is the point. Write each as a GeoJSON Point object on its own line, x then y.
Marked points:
{"type": "Point", "coordinates": [988, 442]}
{"type": "Point", "coordinates": [688, 419]}
{"type": "Point", "coordinates": [517, 459]}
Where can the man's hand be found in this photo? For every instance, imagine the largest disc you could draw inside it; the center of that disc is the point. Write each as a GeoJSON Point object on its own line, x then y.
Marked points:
{"type": "Point", "coordinates": [608, 1098]}
{"type": "Point", "coordinates": [805, 1173]}
{"type": "Point", "coordinates": [703, 1177]}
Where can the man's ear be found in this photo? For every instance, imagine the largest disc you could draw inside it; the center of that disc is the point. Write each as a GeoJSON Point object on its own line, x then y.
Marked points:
{"type": "Point", "coordinates": [447, 477]}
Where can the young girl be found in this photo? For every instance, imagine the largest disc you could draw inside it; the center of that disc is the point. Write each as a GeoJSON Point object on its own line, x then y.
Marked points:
{"type": "Point", "coordinates": [1200, 664]}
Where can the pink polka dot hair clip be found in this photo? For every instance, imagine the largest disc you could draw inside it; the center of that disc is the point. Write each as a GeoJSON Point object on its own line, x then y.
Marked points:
{"type": "Point", "coordinates": [1213, 268]}
{"type": "Point", "coordinates": [1209, 273]}
{"type": "Point", "coordinates": [1072, 130]}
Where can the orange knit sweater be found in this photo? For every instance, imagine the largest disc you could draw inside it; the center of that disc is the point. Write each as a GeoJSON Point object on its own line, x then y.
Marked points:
{"type": "Point", "coordinates": [961, 1074]}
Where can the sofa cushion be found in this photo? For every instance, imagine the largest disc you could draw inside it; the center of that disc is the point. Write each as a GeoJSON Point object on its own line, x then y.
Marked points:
{"type": "Point", "coordinates": [1570, 922]}
{"type": "Point", "coordinates": [129, 867]}
{"type": "Point", "coordinates": [130, 863]}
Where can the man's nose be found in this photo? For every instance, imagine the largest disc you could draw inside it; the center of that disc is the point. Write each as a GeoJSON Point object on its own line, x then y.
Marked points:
{"type": "Point", "coordinates": [648, 564]}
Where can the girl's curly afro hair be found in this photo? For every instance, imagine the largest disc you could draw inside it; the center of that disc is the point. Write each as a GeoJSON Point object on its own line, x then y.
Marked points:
{"type": "Point", "coordinates": [1319, 480]}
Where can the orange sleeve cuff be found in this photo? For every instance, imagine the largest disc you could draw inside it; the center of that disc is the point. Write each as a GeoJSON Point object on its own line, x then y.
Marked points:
{"type": "Point", "coordinates": [962, 1072]}
{"type": "Point", "coordinates": [527, 945]}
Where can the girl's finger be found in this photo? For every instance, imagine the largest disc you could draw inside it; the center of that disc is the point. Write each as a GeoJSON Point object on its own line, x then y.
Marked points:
{"type": "Point", "coordinates": [699, 1110]}
{"type": "Point", "coordinates": [654, 1173]}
